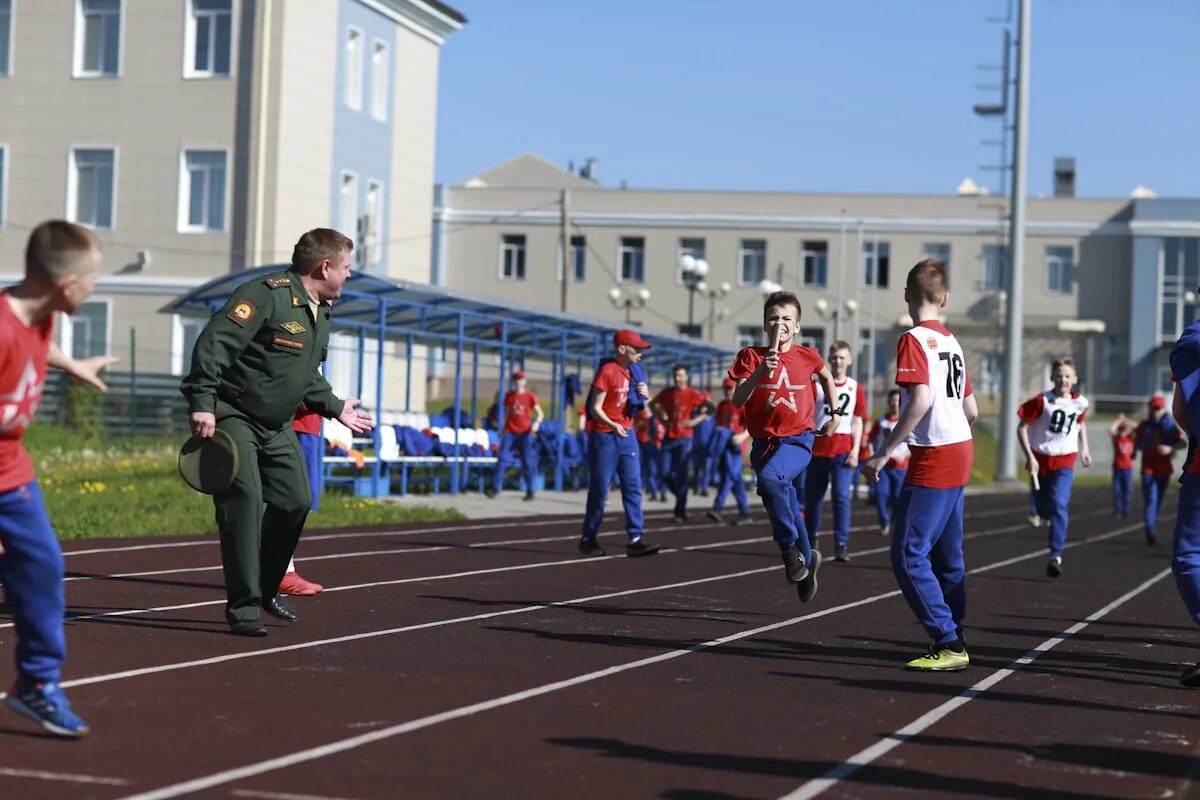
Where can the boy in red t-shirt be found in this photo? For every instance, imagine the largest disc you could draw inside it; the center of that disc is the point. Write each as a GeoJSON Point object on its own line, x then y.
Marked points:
{"type": "Point", "coordinates": [611, 450]}
{"type": "Point", "coordinates": [774, 385]}
{"type": "Point", "coordinates": [1124, 448]}
{"type": "Point", "coordinates": [62, 262]}
{"type": "Point", "coordinates": [650, 437]}
{"type": "Point", "coordinates": [891, 476]}
{"type": "Point", "coordinates": [936, 414]}
{"type": "Point", "coordinates": [729, 441]}
{"type": "Point", "coordinates": [676, 408]}
{"type": "Point", "coordinates": [307, 425]}
{"type": "Point", "coordinates": [522, 418]}
{"type": "Point", "coordinates": [1156, 437]}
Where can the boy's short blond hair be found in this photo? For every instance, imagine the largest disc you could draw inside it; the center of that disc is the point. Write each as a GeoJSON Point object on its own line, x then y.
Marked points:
{"type": "Point", "coordinates": [1063, 362]}
{"type": "Point", "coordinates": [927, 281]}
{"type": "Point", "coordinates": [58, 249]}
{"type": "Point", "coordinates": [841, 344]}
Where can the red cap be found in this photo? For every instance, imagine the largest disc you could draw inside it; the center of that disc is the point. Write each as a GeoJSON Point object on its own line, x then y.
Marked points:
{"type": "Point", "coordinates": [631, 338]}
{"type": "Point", "coordinates": [518, 375]}
{"type": "Point", "coordinates": [1158, 401]}
{"type": "Point", "coordinates": [729, 383]}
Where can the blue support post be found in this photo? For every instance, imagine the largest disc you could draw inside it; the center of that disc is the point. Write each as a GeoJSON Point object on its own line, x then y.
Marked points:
{"type": "Point", "coordinates": [562, 416]}
{"type": "Point", "coordinates": [408, 376]}
{"type": "Point", "coordinates": [454, 463]}
{"type": "Point", "coordinates": [475, 383]}
{"type": "Point", "coordinates": [378, 480]}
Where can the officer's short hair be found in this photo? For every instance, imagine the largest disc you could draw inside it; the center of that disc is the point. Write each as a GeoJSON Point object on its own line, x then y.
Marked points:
{"type": "Point", "coordinates": [58, 249]}
{"type": "Point", "coordinates": [317, 245]}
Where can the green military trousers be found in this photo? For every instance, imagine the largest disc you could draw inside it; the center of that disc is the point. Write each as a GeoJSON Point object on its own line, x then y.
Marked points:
{"type": "Point", "coordinates": [256, 544]}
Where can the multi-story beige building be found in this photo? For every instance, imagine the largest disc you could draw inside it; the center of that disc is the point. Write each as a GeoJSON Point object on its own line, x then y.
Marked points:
{"type": "Point", "coordinates": [200, 137]}
{"type": "Point", "coordinates": [846, 256]}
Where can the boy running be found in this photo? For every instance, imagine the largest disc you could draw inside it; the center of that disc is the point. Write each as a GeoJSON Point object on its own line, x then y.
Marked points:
{"type": "Point", "coordinates": [62, 263]}
{"type": "Point", "coordinates": [1157, 437]}
{"type": "Point", "coordinates": [835, 457]}
{"type": "Point", "coordinates": [936, 414]}
{"type": "Point", "coordinates": [728, 441]}
{"type": "Point", "coordinates": [522, 418]}
{"type": "Point", "coordinates": [1123, 445]}
{"type": "Point", "coordinates": [1052, 431]}
{"type": "Point", "coordinates": [774, 385]}
{"type": "Point", "coordinates": [675, 407]}
{"type": "Point", "coordinates": [891, 477]}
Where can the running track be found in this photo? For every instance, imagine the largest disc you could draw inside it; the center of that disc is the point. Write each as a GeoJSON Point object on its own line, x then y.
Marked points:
{"type": "Point", "coordinates": [484, 659]}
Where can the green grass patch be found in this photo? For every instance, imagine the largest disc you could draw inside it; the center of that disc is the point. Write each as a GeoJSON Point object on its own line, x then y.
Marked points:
{"type": "Point", "coordinates": [983, 469]}
{"type": "Point", "coordinates": [101, 489]}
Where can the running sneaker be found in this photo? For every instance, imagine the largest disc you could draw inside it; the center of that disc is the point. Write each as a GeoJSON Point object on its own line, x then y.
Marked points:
{"type": "Point", "coordinates": [840, 553]}
{"type": "Point", "coordinates": [807, 588]}
{"type": "Point", "coordinates": [941, 658]}
{"type": "Point", "coordinates": [297, 586]}
{"type": "Point", "coordinates": [715, 516]}
{"type": "Point", "coordinates": [793, 563]}
{"type": "Point", "coordinates": [590, 547]}
{"type": "Point", "coordinates": [45, 704]}
{"type": "Point", "coordinates": [1191, 677]}
{"type": "Point", "coordinates": [638, 547]}
{"type": "Point", "coordinates": [1034, 521]}
{"type": "Point", "coordinates": [1054, 567]}
{"type": "Point", "coordinates": [885, 530]}
{"type": "Point", "coordinates": [743, 519]}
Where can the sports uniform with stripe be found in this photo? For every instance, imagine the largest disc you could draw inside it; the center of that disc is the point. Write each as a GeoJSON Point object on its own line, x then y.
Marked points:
{"type": "Point", "coordinates": [927, 555]}
{"type": "Point", "coordinates": [730, 421]}
{"type": "Point", "coordinates": [891, 477]}
{"type": "Point", "coordinates": [678, 405]}
{"type": "Point", "coordinates": [1185, 558]}
{"type": "Point", "coordinates": [612, 455]}
{"type": "Point", "coordinates": [1053, 430]}
{"type": "Point", "coordinates": [828, 465]}
{"type": "Point", "coordinates": [1157, 468]}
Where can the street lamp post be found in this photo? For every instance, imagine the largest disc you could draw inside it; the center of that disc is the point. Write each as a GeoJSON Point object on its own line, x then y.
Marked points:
{"type": "Point", "coordinates": [828, 311]}
{"type": "Point", "coordinates": [714, 293]}
{"type": "Point", "coordinates": [629, 302]}
{"type": "Point", "coordinates": [694, 270]}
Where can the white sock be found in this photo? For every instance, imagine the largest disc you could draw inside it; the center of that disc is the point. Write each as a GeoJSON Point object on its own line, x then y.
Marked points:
{"type": "Point", "coordinates": [291, 565]}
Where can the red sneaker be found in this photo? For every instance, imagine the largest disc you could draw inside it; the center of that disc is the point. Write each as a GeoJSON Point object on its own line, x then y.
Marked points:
{"type": "Point", "coordinates": [293, 584]}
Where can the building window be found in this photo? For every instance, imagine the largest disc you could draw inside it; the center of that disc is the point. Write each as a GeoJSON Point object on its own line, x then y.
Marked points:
{"type": "Point", "coordinates": [91, 187]}
{"type": "Point", "coordinates": [348, 206]}
{"type": "Point", "coordinates": [814, 338]}
{"type": "Point", "coordinates": [876, 265]}
{"type": "Point", "coordinates": [354, 68]}
{"type": "Point", "coordinates": [5, 37]}
{"type": "Point", "coordinates": [749, 336]}
{"type": "Point", "coordinates": [184, 333]}
{"type": "Point", "coordinates": [687, 247]}
{"type": "Point", "coordinates": [372, 226]}
{"type": "Point", "coordinates": [694, 331]}
{"type": "Point", "coordinates": [1181, 274]}
{"type": "Point", "coordinates": [202, 191]}
{"type": "Point", "coordinates": [97, 38]}
{"type": "Point", "coordinates": [991, 374]}
{"type": "Point", "coordinates": [379, 80]}
{"type": "Point", "coordinates": [512, 257]}
{"type": "Point", "coordinates": [994, 274]}
{"type": "Point", "coordinates": [208, 43]}
{"type": "Point", "coordinates": [815, 256]}
{"type": "Point", "coordinates": [1059, 266]}
{"type": "Point", "coordinates": [1114, 362]}
{"type": "Point", "coordinates": [752, 262]}
{"type": "Point", "coordinates": [578, 258]}
{"type": "Point", "coordinates": [632, 255]}
{"type": "Point", "coordinates": [89, 330]}
{"type": "Point", "coordinates": [939, 251]}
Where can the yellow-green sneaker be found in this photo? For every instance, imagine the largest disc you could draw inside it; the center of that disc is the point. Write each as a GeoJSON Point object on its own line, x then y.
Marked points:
{"type": "Point", "coordinates": [941, 658]}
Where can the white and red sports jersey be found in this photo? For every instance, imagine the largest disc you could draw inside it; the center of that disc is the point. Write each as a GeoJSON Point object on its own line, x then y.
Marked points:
{"type": "Point", "coordinates": [852, 402]}
{"type": "Point", "coordinates": [941, 443]}
{"type": "Point", "coordinates": [880, 431]}
{"type": "Point", "coordinates": [23, 353]}
{"type": "Point", "coordinates": [1053, 427]}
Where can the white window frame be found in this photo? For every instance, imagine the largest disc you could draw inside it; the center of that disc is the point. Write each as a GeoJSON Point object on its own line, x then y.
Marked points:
{"type": "Point", "coordinates": [185, 195]}
{"type": "Point", "coordinates": [870, 256]}
{"type": "Point", "coordinates": [69, 322]}
{"type": "Point", "coordinates": [348, 211]}
{"type": "Point", "coordinates": [681, 250]}
{"type": "Point", "coordinates": [5, 168]}
{"type": "Point", "coordinates": [520, 257]}
{"type": "Point", "coordinates": [73, 182]}
{"type": "Point", "coordinates": [743, 339]}
{"type": "Point", "coordinates": [355, 64]}
{"type": "Point", "coordinates": [179, 324]}
{"type": "Point", "coordinates": [380, 79]}
{"type": "Point", "coordinates": [189, 43]}
{"type": "Point", "coordinates": [12, 40]}
{"type": "Point", "coordinates": [622, 248]}
{"type": "Point", "coordinates": [1067, 267]}
{"type": "Point", "coordinates": [1003, 267]}
{"type": "Point", "coordinates": [77, 70]}
{"type": "Point", "coordinates": [743, 252]}
{"type": "Point", "coordinates": [372, 238]}
{"type": "Point", "coordinates": [805, 252]}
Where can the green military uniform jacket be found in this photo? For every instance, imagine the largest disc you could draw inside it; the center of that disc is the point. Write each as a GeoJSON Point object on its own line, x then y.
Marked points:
{"type": "Point", "coordinates": [261, 355]}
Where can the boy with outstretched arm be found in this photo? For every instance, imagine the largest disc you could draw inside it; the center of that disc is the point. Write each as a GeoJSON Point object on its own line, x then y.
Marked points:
{"type": "Point", "coordinates": [676, 408]}
{"type": "Point", "coordinates": [729, 439]}
{"type": "Point", "coordinates": [774, 385]}
{"type": "Point", "coordinates": [1052, 431]}
{"type": "Point", "coordinates": [1124, 448]}
{"type": "Point", "coordinates": [62, 262]}
{"type": "Point", "coordinates": [936, 414]}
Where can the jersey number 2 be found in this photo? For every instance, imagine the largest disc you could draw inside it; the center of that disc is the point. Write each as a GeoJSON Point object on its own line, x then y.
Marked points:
{"type": "Point", "coordinates": [845, 398]}
{"type": "Point", "coordinates": [954, 374]}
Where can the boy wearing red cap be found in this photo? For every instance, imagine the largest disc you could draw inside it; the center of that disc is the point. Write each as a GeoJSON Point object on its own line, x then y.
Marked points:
{"type": "Point", "coordinates": [728, 440]}
{"type": "Point", "coordinates": [522, 416]}
{"type": "Point", "coordinates": [774, 385]}
{"type": "Point", "coordinates": [1157, 436]}
{"type": "Point", "coordinates": [612, 450]}
{"type": "Point", "coordinates": [1124, 447]}
{"type": "Point", "coordinates": [676, 408]}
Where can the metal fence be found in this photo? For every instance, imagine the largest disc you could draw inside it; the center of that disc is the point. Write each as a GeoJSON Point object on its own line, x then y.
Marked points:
{"type": "Point", "coordinates": [137, 403]}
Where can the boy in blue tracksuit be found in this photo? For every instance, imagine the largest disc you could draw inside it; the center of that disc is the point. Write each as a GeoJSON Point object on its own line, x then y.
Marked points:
{"type": "Point", "coordinates": [1185, 561]}
{"type": "Point", "coordinates": [1156, 437]}
{"type": "Point", "coordinates": [728, 439]}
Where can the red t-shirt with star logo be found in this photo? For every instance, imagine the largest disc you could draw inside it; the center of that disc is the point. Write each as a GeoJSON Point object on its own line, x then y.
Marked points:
{"type": "Point", "coordinates": [679, 405]}
{"type": "Point", "coordinates": [782, 403]}
{"type": "Point", "coordinates": [518, 410]}
{"type": "Point", "coordinates": [613, 380]}
{"type": "Point", "coordinates": [24, 350]}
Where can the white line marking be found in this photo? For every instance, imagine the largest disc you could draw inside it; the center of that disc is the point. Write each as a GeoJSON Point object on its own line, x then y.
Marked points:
{"type": "Point", "coordinates": [61, 776]}
{"type": "Point", "coordinates": [281, 795]}
{"type": "Point", "coordinates": [914, 728]}
{"type": "Point", "coordinates": [251, 770]}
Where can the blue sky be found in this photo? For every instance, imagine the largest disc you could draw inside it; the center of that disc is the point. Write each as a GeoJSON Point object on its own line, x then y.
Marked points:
{"type": "Point", "coordinates": [799, 95]}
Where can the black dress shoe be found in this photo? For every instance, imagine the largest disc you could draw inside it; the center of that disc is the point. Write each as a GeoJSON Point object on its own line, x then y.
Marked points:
{"type": "Point", "coordinates": [280, 608]}
{"type": "Point", "coordinates": [640, 548]}
{"type": "Point", "coordinates": [251, 628]}
{"type": "Point", "coordinates": [528, 496]}
{"type": "Point", "coordinates": [589, 547]}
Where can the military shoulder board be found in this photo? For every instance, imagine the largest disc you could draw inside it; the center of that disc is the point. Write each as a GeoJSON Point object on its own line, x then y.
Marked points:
{"type": "Point", "coordinates": [275, 283]}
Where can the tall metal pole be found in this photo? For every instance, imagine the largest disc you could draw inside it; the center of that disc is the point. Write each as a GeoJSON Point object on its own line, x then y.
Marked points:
{"type": "Point", "coordinates": [565, 220]}
{"type": "Point", "coordinates": [841, 299]}
{"type": "Point", "coordinates": [1006, 464]}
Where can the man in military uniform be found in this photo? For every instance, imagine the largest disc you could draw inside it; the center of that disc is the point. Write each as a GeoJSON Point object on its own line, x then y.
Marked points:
{"type": "Point", "coordinates": [257, 359]}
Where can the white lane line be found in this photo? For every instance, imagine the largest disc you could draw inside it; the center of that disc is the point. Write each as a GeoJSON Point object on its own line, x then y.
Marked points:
{"type": "Point", "coordinates": [61, 776]}
{"type": "Point", "coordinates": [914, 728]}
{"type": "Point", "coordinates": [281, 795]}
{"type": "Point", "coordinates": [302, 756]}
